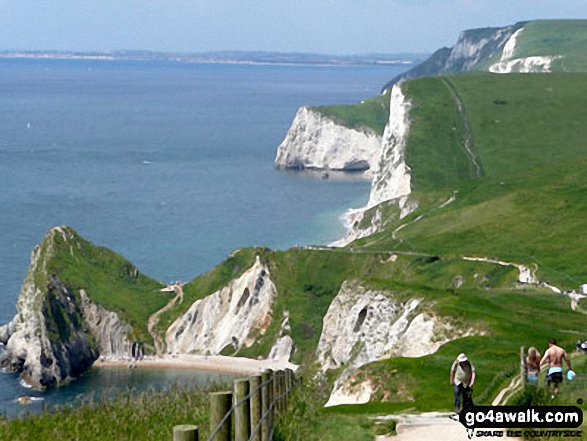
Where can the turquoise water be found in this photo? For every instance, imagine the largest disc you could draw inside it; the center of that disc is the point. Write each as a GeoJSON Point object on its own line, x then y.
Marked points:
{"type": "Point", "coordinates": [170, 165]}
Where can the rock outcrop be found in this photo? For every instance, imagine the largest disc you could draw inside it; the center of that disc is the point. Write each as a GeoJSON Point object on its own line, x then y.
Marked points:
{"type": "Point", "coordinates": [364, 325]}
{"type": "Point", "coordinates": [48, 342]}
{"type": "Point", "coordinates": [111, 333]}
{"type": "Point", "coordinates": [392, 180]}
{"type": "Point", "coordinates": [391, 183]}
{"type": "Point", "coordinates": [227, 319]}
{"type": "Point", "coordinates": [315, 141]}
{"type": "Point", "coordinates": [472, 51]}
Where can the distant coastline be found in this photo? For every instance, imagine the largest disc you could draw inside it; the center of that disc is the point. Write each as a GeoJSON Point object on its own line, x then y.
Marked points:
{"type": "Point", "coordinates": [224, 57]}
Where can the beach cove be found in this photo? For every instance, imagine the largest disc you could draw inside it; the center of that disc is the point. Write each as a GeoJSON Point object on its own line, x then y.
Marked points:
{"type": "Point", "coordinates": [132, 156]}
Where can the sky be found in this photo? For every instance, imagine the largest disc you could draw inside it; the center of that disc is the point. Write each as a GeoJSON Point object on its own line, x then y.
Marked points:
{"type": "Point", "coordinates": [316, 26]}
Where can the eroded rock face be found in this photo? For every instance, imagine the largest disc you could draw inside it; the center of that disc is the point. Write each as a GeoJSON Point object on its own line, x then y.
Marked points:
{"type": "Point", "coordinates": [315, 141]}
{"type": "Point", "coordinates": [393, 175]}
{"type": "Point", "coordinates": [47, 342]}
{"type": "Point", "coordinates": [282, 349]}
{"type": "Point", "coordinates": [228, 317]}
{"type": "Point", "coordinates": [111, 333]}
{"type": "Point", "coordinates": [363, 325]}
{"type": "Point", "coordinates": [391, 183]}
{"type": "Point", "coordinates": [473, 48]}
{"type": "Point", "coordinates": [508, 63]}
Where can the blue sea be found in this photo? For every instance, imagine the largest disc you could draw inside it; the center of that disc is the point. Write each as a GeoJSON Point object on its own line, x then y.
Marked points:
{"type": "Point", "coordinates": [168, 164]}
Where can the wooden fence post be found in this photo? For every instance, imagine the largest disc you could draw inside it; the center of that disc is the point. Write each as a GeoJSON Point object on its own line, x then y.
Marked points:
{"type": "Point", "coordinates": [283, 389]}
{"type": "Point", "coordinates": [185, 432]}
{"type": "Point", "coordinates": [277, 391]}
{"type": "Point", "coordinates": [289, 378]}
{"type": "Point", "coordinates": [255, 383]}
{"type": "Point", "coordinates": [523, 366]}
{"type": "Point", "coordinates": [265, 402]}
{"type": "Point", "coordinates": [271, 385]}
{"type": "Point", "coordinates": [220, 403]}
{"type": "Point", "coordinates": [242, 412]}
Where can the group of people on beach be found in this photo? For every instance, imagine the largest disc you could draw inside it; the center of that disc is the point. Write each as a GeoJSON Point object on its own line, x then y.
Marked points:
{"type": "Point", "coordinates": [462, 372]}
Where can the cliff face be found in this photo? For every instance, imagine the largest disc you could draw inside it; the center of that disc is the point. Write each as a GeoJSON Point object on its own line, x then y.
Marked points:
{"type": "Point", "coordinates": [508, 63]}
{"type": "Point", "coordinates": [48, 341]}
{"type": "Point", "coordinates": [110, 332]}
{"type": "Point", "coordinates": [228, 318]}
{"type": "Point", "coordinates": [391, 183]}
{"type": "Point", "coordinates": [363, 325]}
{"type": "Point", "coordinates": [58, 332]}
{"type": "Point", "coordinates": [472, 51]}
{"type": "Point", "coordinates": [315, 141]}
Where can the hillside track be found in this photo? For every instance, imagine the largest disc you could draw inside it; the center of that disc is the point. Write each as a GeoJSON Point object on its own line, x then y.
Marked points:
{"type": "Point", "coordinates": [154, 319]}
{"type": "Point", "coordinates": [475, 167]}
{"type": "Point", "coordinates": [439, 425]}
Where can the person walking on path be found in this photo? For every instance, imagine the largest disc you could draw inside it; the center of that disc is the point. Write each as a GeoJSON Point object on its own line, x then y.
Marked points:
{"type": "Point", "coordinates": [555, 355]}
{"type": "Point", "coordinates": [462, 378]}
{"type": "Point", "coordinates": [533, 366]}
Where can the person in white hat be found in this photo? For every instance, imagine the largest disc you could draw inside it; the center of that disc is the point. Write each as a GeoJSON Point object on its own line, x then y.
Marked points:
{"type": "Point", "coordinates": [462, 378]}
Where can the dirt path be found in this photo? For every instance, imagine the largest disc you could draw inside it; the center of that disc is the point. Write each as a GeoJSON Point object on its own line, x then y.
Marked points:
{"type": "Point", "coordinates": [467, 129]}
{"type": "Point", "coordinates": [425, 427]}
{"type": "Point", "coordinates": [437, 425]}
{"type": "Point", "coordinates": [154, 319]}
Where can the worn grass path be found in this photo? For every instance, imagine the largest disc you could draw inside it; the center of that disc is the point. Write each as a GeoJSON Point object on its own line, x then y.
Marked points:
{"type": "Point", "coordinates": [438, 425]}
{"type": "Point", "coordinates": [154, 319]}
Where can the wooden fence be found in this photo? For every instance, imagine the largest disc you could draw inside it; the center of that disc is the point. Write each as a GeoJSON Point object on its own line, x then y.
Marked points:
{"type": "Point", "coordinates": [248, 412]}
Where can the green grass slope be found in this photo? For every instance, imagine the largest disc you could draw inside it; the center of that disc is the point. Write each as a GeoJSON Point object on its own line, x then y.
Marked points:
{"type": "Point", "coordinates": [539, 38]}
{"type": "Point", "coordinates": [555, 37]}
{"type": "Point", "coordinates": [108, 279]}
{"type": "Point", "coordinates": [528, 135]}
{"type": "Point", "coordinates": [511, 318]}
{"type": "Point", "coordinates": [372, 113]}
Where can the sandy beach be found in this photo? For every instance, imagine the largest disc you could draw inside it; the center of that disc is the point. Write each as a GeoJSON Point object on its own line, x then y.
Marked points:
{"type": "Point", "coordinates": [210, 363]}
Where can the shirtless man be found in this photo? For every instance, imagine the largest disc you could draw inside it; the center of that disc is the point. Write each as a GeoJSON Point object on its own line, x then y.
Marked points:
{"type": "Point", "coordinates": [555, 356]}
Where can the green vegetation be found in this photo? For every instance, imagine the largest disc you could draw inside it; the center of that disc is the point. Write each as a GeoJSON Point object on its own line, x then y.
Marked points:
{"type": "Point", "coordinates": [563, 41]}
{"type": "Point", "coordinates": [372, 113]}
{"type": "Point", "coordinates": [527, 132]}
{"type": "Point", "coordinates": [204, 285]}
{"type": "Point", "coordinates": [572, 393]}
{"type": "Point", "coordinates": [306, 420]}
{"type": "Point", "coordinates": [508, 321]}
{"type": "Point", "coordinates": [107, 278]}
{"type": "Point", "coordinates": [555, 37]}
{"type": "Point", "coordinates": [511, 150]}
{"type": "Point", "coordinates": [128, 416]}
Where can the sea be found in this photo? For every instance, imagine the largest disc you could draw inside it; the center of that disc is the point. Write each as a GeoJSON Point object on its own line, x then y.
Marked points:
{"type": "Point", "coordinates": [168, 164]}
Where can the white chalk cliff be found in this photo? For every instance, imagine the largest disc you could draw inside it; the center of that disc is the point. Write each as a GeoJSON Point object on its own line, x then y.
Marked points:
{"type": "Point", "coordinates": [316, 141]}
{"type": "Point", "coordinates": [391, 182]}
{"type": "Point", "coordinates": [471, 52]}
{"type": "Point", "coordinates": [364, 325]}
{"type": "Point", "coordinates": [46, 352]}
{"type": "Point", "coordinates": [230, 316]}
{"type": "Point", "coordinates": [109, 330]}
{"type": "Point", "coordinates": [509, 64]}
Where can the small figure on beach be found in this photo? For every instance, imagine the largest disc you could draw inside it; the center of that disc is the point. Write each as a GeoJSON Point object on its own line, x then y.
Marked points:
{"type": "Point", "coordinates": [533, 366]}
{"type": "Point", "coordinates": [555, 355]}
{"type": "Point", "coordinates": [462, 378]}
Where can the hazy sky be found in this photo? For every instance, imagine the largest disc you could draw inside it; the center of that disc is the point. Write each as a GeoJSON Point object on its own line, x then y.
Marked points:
{"type": "Point", "coordinates": [327, 26]}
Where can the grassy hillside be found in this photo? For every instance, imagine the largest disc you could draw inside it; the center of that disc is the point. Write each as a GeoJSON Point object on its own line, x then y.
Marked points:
{"type": "Point", "coordinates": [108, 279]}
{"type": "Point", "coordinates": [513, 150]}
{"type": "Point", "coordinates": [539, 38]}
{"type": "Point", "coordinates": [512, 319]}
{"type": "Point", "coordinates": [555, 37]}
{"type": "Point", "coordinates": [528, 135]}
{"type": "Point", "coordinates": [372, 113]}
